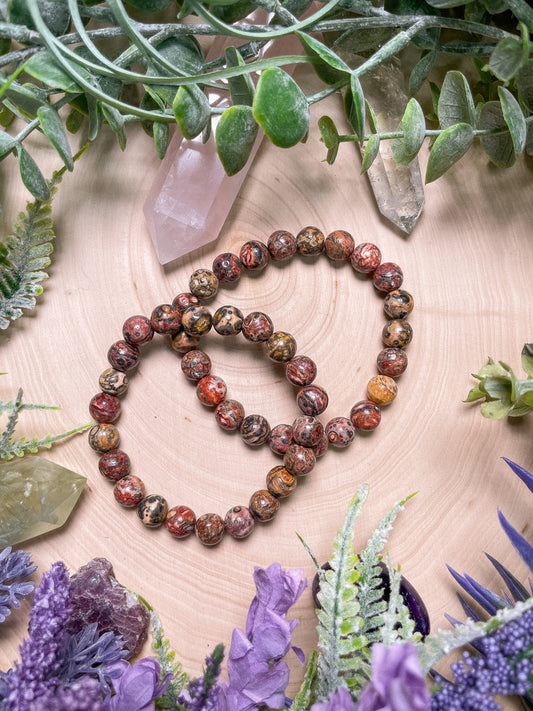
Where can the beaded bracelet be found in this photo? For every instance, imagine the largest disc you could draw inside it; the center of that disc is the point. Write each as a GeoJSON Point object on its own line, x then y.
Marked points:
{"type": "Point", "coordinates": [186, 320]}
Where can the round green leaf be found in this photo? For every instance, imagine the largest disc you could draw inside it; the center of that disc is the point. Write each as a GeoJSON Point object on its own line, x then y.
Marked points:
{"type": "Point", "coordinates": [506, 58]}
{"type": "Point", "coordinates": [191, 109]}
{"type": "Point", "coordinates": [514, 118]}
{"type": "Point", "coordinates": [450, 146]}
{"type": "Point", "coordinates": [524, 84]}
{"type": "Point", "coordinates": [413, 126]}
{"type": "Point", "coordinates": [456, 104]}
{"type": "Point", "coordinates": [56, 15]}
{"type": "Point", "coordinates": [499, 147]}
{"type": "Point", "coordinates": [235, 136]}
{"type": "Point", "coordinates": [280, 108]}
{"type": "Point", "coordinates": [370, 153]}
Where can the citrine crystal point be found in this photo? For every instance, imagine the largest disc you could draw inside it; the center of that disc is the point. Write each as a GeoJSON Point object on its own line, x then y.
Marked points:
{"type": "Point", "coordinates": [36, 496]}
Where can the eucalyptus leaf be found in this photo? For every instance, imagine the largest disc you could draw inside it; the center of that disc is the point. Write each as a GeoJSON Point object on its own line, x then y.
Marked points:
{"type": "Point", "coordinates": [280, 108]}
{"type": "Point", "coordinates": [514, 118]}
{"type": "Point", "coordinates": [506, 58]}
{"type": "Point", "coordinates": [527, 359]}
{"type": "Point", "coordinates": [370, 153]}
{"type": "Point", "coordinates": [31, 176]}
{"type": "Point", "coordinates": [94, 117]}
{"type": "Point", "coordinates": [357, 116]}
{"type": "Point", "coordinates": [524, 84]}
{"type": "Point", "coordinates": [183, 52]}
{"type": "Point", "coordinates": [450, 146]}
{"type": "Point", "coordinates": [495, 409]}
{"type": "Point", "coordinates": [420, 71]}
{"type": "Point", "coordinates": [43, 66]}
{"type": "Point", "coordinates": [74, 121]}
{"type": "Point", "coordinates": [55, 14]}
{"type": "Point", "coordinates": [405, 149]}
{"type": "Point", "coordinates": [499, 147]}
{"type": "Point", "coordinates": [161, 132]}
{"type": "Point", "coordinates": [191, 109]}
{"type": "Point", "coordinates": [330, 137]}
{"type": "Point", "coordinates": [235, 136]}
{"type": "Point", "coordinates": [495, 6]}
{"type": "Point", "coordinates": [324, 52]}
{"type": "Point", "coordinates": [241, 87]}
{"type": "Point", "coordinates": [456, 104]}
{"type": "Point", "coordinates": [116, 121]}
{"type": "Point", "coordinates": [529, 140]}
{"type": "Point", "coordinates": [7, 143]}
{"type": "Point", "coordinates": [53, 129]}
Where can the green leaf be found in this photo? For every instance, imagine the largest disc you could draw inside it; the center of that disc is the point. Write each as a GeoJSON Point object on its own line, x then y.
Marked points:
{"type": "Point", "coordinates": [182, 52]}
{"type": "Point", "coordinates": [241, 88]}
{"type": "Point", "coordinates": [191, 109]}
{"type": "Point", "coordinates": [116, 121]}
{"type": "Point", "coordinates": [371, 152]}
{"type": "Point", "coordinates": [280, 108]}
{"type": "Point", "coordinates": [357, 115]}
{"type": "Point", "coordinates": [495, 409]}
{"type": "Point", "coordinates": [74, 121]}
{"type": "Point", "coordinates": [441, 4]}
{"type": "Point", "coordinates": [43, 66]}
{"type": "Point", "coordinates": [506, 58]}
{"type": "Point", "coordinates": [330, 137]}
{"type": "Point", "coordinates": [31, 175]}
{"type": "Point", "coordinates": [524, 85]}
{"type": "Point", "coordinates": [161, 133]}
{"type": "Point", "coordinates": [324, 52]}
{"type": "Point", "coordinates": [55, 14]}
{"type": "Point", "coordinates": [149, 5]}
{"type": "Point", "coordinates": [235, 136]}
{"type": "Point", "coordinates": [514, 118]}
{"type": "Point", "coordinates": [527, 359]}
{"type": "Point", "coordinates": [495, 6]}
{"type": "Point", "coordinates": [53, 129]}
{"type": "Point", "coordinates": [420, 71]}
{"type": "Point", "coordinates": [450, 146]}
{"type": "Point", "coordinates": [405, 149]}
{"type": "Point", "coordinates": [6, 143]}
{"type": "Point", "coordinates": [499, 147]}
{"type": "Point", "coordinates": [456, 104]}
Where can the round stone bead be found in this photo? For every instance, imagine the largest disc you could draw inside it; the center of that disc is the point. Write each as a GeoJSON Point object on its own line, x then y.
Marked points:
{"type": "Point", "coordinates": [280, 482]}
{"type": "Point", "coordinates": [398, 303]}
{"type": "Point", "coordinates": [184, 300]}
{"type": "Point", "coordinates": [123, 356]}
{"type": "Point", "coordinates": [392, 362]}
{"type": "Point", "coordinates": [104, 437]}
{"type": "Point", "coordinates": [382, 389]}
{"type": "Point", "coordinates": [263, 505]}
{"type": "Point", "coordinates": [310, 241]}
{"type": "Point", "coordinates": [152, 510]}
{"type": "Point", "coordinates": [196, 365]}
{"type": "Point", "coordinates": [129, 491]}
{"type": "Point", "coordinates": [113, 382]}
{"type": "Point", "coordinates": [280, 438]}
{"type": "Point", "coordinates": [281, 347]}
{"type": "Point", "coordinates": [114, 464]}
{"type": "Point", "coordinates": [257, 327]}
{"type": "Point", "coordinates": [165, 319]}
{"type": "Point", "coordinates": [254, 255]}
{"type": "Point", "coordinates": [196, 320]}
{"type": "Point", "coordinates": [180, 521]}
{"type": "Point", "coordinates": [307, 431]}
{"type": "Point", "coordinates": [365, 415]}
{"type": "Point", "coordinates": [227, 320]}
{"type": "Point", "coordinates": [340, 432]}
{"type": "Point", "coordinates": [239, 522]}
{"type": "Point", "coordinates": [255, 430]}
{"type": "Point", "coordinates": [137, 330]}
{"type": "Point", "coordinates": [397, 333]}
{"type": "Point", "coordinates": [387, 277]}
{"type": "Point", "coordinates": [312, 400]}
{"type": "Point", "coordinates": [203, 283]}
{"type": "Point", "coordinates": [227, 267]}
{"type": "Point", "coordinates": [281, 245]}
{"type": "Point", "coordinates": [210, 529]}
{"type": "Point", "coordinates": [211, 390]}
{"type": "Point", "coordinates": [365, 258]}
{"type": "Point", "coordinates": [300, 371]}
{"type": "Point", "coordinates": [182, 342]}
{"type": "Point", "coordinates": [339, 245]}
{"type": "Point", "coordinates": [104, 407]}
{"type": "Point", "coordinates": [299, 460]}
{"type": "Point", "coordinates": [229, 414]}
{"type": "Point", "coordinates": [322, 447]}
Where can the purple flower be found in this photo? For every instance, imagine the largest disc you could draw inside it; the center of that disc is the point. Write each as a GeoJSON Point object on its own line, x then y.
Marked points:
{"type": "Point", "coordinates": [397, 682]}
{"type": "Point", "coordinates": [137, 686]}
{"type": "Point", "coordinates": [82, 695]}
{"type": "Point", "coordinates": [340, 700]}
{"type": "Point", "coordinates": [14, 567]}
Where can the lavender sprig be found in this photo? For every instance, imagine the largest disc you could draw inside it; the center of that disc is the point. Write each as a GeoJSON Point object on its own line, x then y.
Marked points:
{"type": "Point", "coordinates": [202, 694]}
{"type": "Point", "coordinates": [14, 568]}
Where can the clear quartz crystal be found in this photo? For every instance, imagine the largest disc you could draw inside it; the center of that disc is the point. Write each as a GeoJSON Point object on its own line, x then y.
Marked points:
{"type": "Point", "coordinates": [36, 496]}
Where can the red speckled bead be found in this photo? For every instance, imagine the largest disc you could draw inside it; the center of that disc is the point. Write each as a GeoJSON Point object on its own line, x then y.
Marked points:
{"type": "Point", "coordinates": [180, 521]}
{"type": "Point", "coordinates": [196, 320]}
{"type": "Point", "coordinates": [281, 245]}
{"type": "Point", "coordinates": [299, 460]}
{"type": "Point", "coordinates": [113, 382]}
{"type": "Point", "coordinates": [165, 318]}
{"type": "Point", "coordinates": [184, 300]}
{"type": "Point", "coordinates": [398, 303]}
{"type": "Point", "coordinates": [211, 390]}
{"type": "Point", "coordinates": [339, 245]}
{"type": "Point", "coordinates": [397, 333]}
{"type": "Point", "coordinates": [104, 407]}
{"type": "Point", "coordinates": [257, 327]}
{"type": "Point", "coordinates": [227, 320]}
{"type": "Point", "coordinates": [239, 522]}
{"type": "Point", "coordinates": [114, 464]}
{"type": "Point", "coordinates": [280, 438]}
{"type": "Point", "coordinates": [340, 432]}
{"type": "Point", "coordinates": [307, 431]}
{"type": "Point", "coordinates": [387, 277]}
{"type": "Point", "coordinates": [310, 241]}
{"type": "Point", "coordinates": [137, 330]}
{"type": "Point", "coordinates": [280, 482]}
{"type": "Point", "coordinates": [152, 510]}
{"type": "Point", "coordinates": [182, 342]}
{"type": "Point", "coordinates": [365, 415]}
{"type": "Point", "coordinates": [129, 491]}
{"type": "Point", "coordinates": [203, 283]}
{"type": "Point", "coordinates": [300, 371]}
{"type": "Point", "coordinates": [254, 255]}
{"type": "Point", "coordinates": [392, 362]}
{"type": "Point", "coordinates": [227, 267]}
{"type": "Point", "coordinates": [322, 447]}
{"type": "Point", "coordinates": [229, 414]}
{"type": "Point", "coordinates": [280, 347]}
{"type": "Point", "coordinates": [210, 529]}
{"type": "Point", "coordinates": [196, 365]}
{"type": "Point", "coordinates": [104, 437]}
{"type": "Point", "coordinates": [382, 389]}
{"type": "Point", "coordinates": [123, 355]}
{"type": "Point", "coordinates": [263, 505]}
{"type": "Point", "coordinates": [255, 430]}
{"type": "Point", "coordinates": [312, 400]}
{"type": "Point", "coordinates": [365, 258]}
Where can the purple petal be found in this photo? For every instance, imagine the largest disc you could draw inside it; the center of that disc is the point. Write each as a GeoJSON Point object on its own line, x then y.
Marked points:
{"type": "Point", "coordinates": [240, 645]}
{"type": "Point", "coordinates": [522, 473]}
{"type": "Point", "coordinates": [523, 548]}
{"type": "Point", "coordinates": [300, 654]}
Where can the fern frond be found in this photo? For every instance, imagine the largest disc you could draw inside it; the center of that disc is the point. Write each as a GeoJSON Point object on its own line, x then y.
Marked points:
{"type": "Point", "coordinates": [167, 663]}
{"type": "Point", "coordinates": [398, 623]}
{"type": "Point", "coordinates": [305, 696]}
